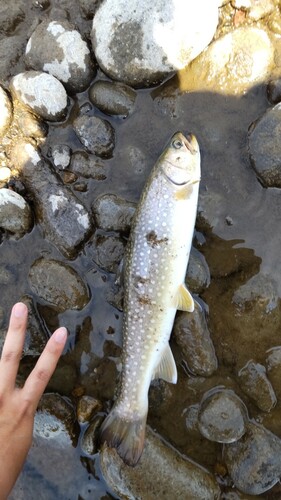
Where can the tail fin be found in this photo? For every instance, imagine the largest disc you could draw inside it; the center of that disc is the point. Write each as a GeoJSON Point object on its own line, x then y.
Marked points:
{"type": "Point", "coordinates": [127, 436]}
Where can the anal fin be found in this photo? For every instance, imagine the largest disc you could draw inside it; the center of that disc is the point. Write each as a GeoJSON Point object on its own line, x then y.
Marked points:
{"type": "Point", "coordinates": [166, 369]}
{"type": "Point", "coordinates": [184, 299]}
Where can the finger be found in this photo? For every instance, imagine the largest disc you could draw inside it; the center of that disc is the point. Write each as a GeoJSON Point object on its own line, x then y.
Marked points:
{"type": "Point", "coordinates": [44, 368]}
{"type": "Point", "coordinates": [13, 346]}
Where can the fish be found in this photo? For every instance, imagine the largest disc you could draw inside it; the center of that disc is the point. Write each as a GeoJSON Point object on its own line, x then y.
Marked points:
{"type": "Point", "coordinates": [156, 260]}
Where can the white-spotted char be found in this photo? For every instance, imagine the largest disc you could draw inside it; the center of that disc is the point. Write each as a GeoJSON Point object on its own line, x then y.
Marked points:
{"type": "Point", "coordinates": [155, 266]}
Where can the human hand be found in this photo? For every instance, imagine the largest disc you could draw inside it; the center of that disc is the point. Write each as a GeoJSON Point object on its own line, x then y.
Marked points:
{"type": "Point", "coordinates": [18, 406]}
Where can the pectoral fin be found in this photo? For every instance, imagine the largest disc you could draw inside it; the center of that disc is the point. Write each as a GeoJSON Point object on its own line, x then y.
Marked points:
{"type": "Point", "coordinates": [184, 300]}
{"type": "Point", "coordinates": [166, 369]}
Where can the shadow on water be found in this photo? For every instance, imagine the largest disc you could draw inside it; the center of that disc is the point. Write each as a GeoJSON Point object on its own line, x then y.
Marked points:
{"type": "Point", "coordinates": [237, 231]}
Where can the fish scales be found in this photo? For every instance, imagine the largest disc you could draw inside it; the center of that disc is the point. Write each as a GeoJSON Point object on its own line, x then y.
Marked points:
{"type": "Point", "coordinates": [155, 267]}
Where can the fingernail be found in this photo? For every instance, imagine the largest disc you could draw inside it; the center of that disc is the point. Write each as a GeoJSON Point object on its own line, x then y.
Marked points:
{"type": "Point", "coordinates": [19, 310]}
{"type": "Point", "coordinates": [60, 335]}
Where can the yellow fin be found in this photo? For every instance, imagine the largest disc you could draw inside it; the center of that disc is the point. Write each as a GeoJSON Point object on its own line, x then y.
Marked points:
{"type": "Point", "coordinates": [166, 369]}
{"type": "Point", "coordinates": [184, 300]}
{"type": "Point", "coordinates": [183, 193]}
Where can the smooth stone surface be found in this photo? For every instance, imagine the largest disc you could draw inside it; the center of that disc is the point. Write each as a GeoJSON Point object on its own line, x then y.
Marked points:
{"type": "Point", "coordinates": [273, 368]}
{"type": "Point", "coordinates": [5, 111]}
{"type": "Point", "coordinates": [259, 290]}
{"type": "Point", "coordinates": [162, 472]}
{"type": "Point", "coordinates": [15, 213]}
{"type": "Point", "coordinates": [254, 462]}
{"type": "Point", "coordinates": [87, 406]}
{"type": "Point", "coordinates": [222, 416]}
{"type": "Point", "coordinates": [64, 220]}
{"type": "Point", "coordinates": [113, 213]}
{"type": "Point", "coordinates": [57, 48]}
{"type": "Point", "coordinates": [88, 166]}
{"type": "Point", "coordinates": [109, 251]}
{"type": "Point", "coordinates": [90, 438]}
{"type": "Point", "coordinates": [61, 154]}
{"type": "Point", "coordinates": [96, 134]}
{"type": "Point", "coordinates": [141, 43]}
{"type": "Point", "coordinates": [265, 147]}
{"type": "Point", "coordinates": [253, 381]}
{"type": "Point", "coordinates": [113, 98]}
{"type": "Point", "coordinates": [11, 51]}
{"type": "Point", "coordinates": [58, 284]}
{"type": "Point", "coordinates": [42, 93]}
{"type": "Point", "coordinates": [198, 274]}
{"type": "Point", "coordinates": [192, 334]}
{"type": "Point", "coordinates": [232, 64]}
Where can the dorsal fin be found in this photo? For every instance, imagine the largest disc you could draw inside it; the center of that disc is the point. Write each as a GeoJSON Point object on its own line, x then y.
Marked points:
{"type": "Point", "coordinates": [166, 369]}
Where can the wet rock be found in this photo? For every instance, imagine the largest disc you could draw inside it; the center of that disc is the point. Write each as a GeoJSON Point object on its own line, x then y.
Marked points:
{"type": "Point", "coordinates": [113, 213]}
{"type": "Point", "coordinates": [254, 382]}
{"type": "Point", "coordinates": [198, 274]}
{"type": "Point", "coordinates": [193, 337]}
{"type": "Point", "coordinates": [61, 155]}
{"type": "Point", "coordinates": [274, 91]}
{"type": "Point", "coordinates": [113, 98]}
{"type": "Point", "coordinates": [232, 64]}
{"type": "Point", "coordinates": [273, 367]}
{"type": "Point", "coordinates": [63, 218]}
{"type": "Point", "coordinates": [58, 284]}
{"type": "Point", "coordinates": [42, 93]}
{"type": "Point", "coordinates": [11, 16]}
{"type": "Point", "coordinates": [58, 49]}
{"type": "Point", "coordinates": [260, 290]}
{"type": "Point", "coordinates": [96, 134]}
{"type": "Point", "coordinates": [11, 50]}
{"type": "Point", "coordinates": [141, 43]}
{"type": "Point", "coordinates": [54, 419]}
{"type": "Point", "coordinates": [90, 438]}
{"type": "Point", "coordinates": [29, 124]}
{"type": "Point", "coordinates": [162, 472]}
{"type": "Point", "coordinates": [64, 379]}
{"type": "Point", "coordinates": [254, 462]}
{"type": "Point", "coordinates": [15, 213]}
{"type": "Point", "coordinates": [87, 406]}
{"type": "Point", "coordinates": [265, 148]}
{"type": "Point", "coordinates": [5, 111]}
{"type": "Point", "coordinates": [88, 166]}
{"type": "Point", "coordinates": [222, 416]}
{"type": "Point", "coordinates": [6, 276]}
{"type": "Point", "coordinates": [36, 335]}
{"type": "Point", "coordinates": [109, 251]}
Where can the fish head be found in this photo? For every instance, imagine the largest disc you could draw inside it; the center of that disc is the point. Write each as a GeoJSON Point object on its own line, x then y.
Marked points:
{"type": "Point", "coordinates": [181, 160]}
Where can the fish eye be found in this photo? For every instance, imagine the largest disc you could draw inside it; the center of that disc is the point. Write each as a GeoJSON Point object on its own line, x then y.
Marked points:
{"type": "Point", "coordinates": [177, 144]}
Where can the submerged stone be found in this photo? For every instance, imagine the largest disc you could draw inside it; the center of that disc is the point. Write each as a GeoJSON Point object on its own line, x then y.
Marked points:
{"type": "Point", "coordinates": [253, 381]}
{"type": "Point", "coordinates": [113, 98]}
{"type": "Point", "coordinates": [96, 134]}
{"type": "Point", "coordinates": [109, 251]}
{"type": "Point", "coordinates": [198, 274]}
{"type": "Point", "coordinates": [113, 213]}
{"type": "Point", "coordinates": [88, 166]}
{"type": "Point", "coordinates": [15, 213]}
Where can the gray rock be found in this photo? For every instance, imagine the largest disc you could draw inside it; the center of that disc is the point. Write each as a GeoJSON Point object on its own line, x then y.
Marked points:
{"type": "Point", "coordinates": [253, 381]}
{"type": "Point", "coordinates": [96, 134]}
{"type": "Point", "coordinates": [222, 416]}
{"type": "Point", "coordinates": [265, 148]}
{"type": "Point", "coordinates": [61, 155]}
{"type": "Point", "coordinates": [88, 166]}
{"type": "Point", "coordinates": [109, 251]}
{"type": "Point", "coordinates": [11, 50]}
{"type": "Point", "coordinates": [58, 284]}
{"type": "Point", "coordinates": [198, 274]}
{"type": "Point", "coordinates": [113, 213]}
{"type": "Point", "coordinates": [113, 98]}
{"type": "Point", "coordinates": [15, 213]}
{"type": "Point", "coordinates": [40, 92]}
{"type": "Point", "coordinates": [273, 368]}
{"type": "Point", "coordinates": [57, 48]}
{"type": "Point", "coordinates": [64, 220]}
{"type": "Point", "coordinates": [29, 124]}
{"type": "Point", "coordinates": [260, 290]}
{"type": "Point", "coordinates": [162, 472]}
{"type": "Point", "coordinates": [193, 337]}
{"type": "Point", "coordinates": [5, 111]}
{"type": "Point", "coordinates": [87, 407]}
{"type": "Point", "coordinates": [141, 43]}
{"type": "Point", "coordinates": [254, 462]}
{"type": "Point", "coordinates": [6, 276]}
{"type": "Point", "coordinates": [11, 16]}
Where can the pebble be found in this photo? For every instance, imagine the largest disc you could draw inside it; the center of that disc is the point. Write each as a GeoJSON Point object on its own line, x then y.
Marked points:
{"type": "Point", "coordinates": [253, 381]}
{"type": "Point", "coordinates": [87, 406]}
{"type": "Point", "coordinates": [254, 462]}
{"type": "Point", "coordinates": [260, 290]}
{"type": "Point", "coordinates": [198, 274]}
{"type": "Point", "coordinates": [113, 213]}
{"type": "Point", "coordinates": [58, 284]}
{"type": "Point", "coordinates": [222, 416]}
{"type": "Point", "coordinates": [162, 472]}
{"type": "Point", "coordinates": [141, 43]}
{"type": "Point", "coordinates": [57, 48]}
{"type": "Point", "coordinates": [96, 134]}
{"type": "Point", "coordinates": [88, 166]}
{"type": "Point", "coordinates": [113, 98]}
{"type": "Point", "coordinates": [64, 220]}
{"type": "Point", "coordinates": [15, 213]}
{"type": "Point", "coordinates": [40, 92]}
{"type": "Point", "coordinates": [232, 64]}
{"type": "Point", "coordinates": [61, 154]}
{"type": "Point", "coordinates": [265, 147]}
{"type": "Point", "coordinates": [109, 251]}
{"type": "Point", "coordinates": [6, 112]}
{"type": "Point", "coordinates": [192, 334]}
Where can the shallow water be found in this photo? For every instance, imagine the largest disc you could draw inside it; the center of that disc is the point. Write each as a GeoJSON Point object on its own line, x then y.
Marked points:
{"type": "Point", "coordinates": [237, 231]}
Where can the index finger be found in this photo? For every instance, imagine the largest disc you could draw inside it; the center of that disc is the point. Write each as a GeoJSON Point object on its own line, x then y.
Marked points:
{"type": "Point", "coordinates": [39, 377]}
